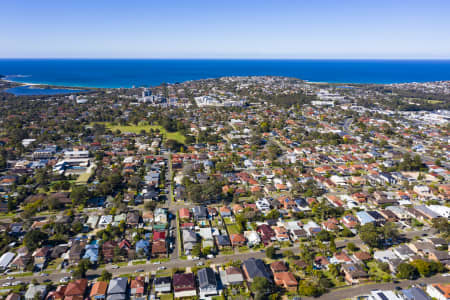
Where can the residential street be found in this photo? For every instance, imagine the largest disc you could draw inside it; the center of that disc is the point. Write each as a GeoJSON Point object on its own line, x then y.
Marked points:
{"type": "Point", "coordinates": [349, 292]}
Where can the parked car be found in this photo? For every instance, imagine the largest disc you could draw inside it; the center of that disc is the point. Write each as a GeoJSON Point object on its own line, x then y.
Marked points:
{"type": "Point", "coordinates": [64, 279]}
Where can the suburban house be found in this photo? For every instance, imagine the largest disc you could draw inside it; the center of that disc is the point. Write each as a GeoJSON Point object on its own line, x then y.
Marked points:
{"type": "Point", "coordinates": [287, 280]}
{"type": "Point", "coordinates": [255, 268]}
{"type": "Point", "coordinates": [184, 285]}
{"type": "Point", "coordinates": [231, 276]}
{"type": "Point", "coordinates": [439, 291]}
{"type": "Point", "coordinates": [207, 282]}
{"type": "Point", "coordinates": [57, 294]}
{"type": "Point", "coordinates": [76, 289]}
{"type": "Point", "coordinates": [108, 250]}
{"type": "Point", "coordinates": [159, 249]}
{"type": "Point", "coordinates": [98, 290]}
{"type": "Point", "coordinates": [137, 287]}
{"type": "Point", "coordinates": [117, 289]}
{"type": "Point", "coordinates": [40, 256]}
{"type": "Point", "coordinates": [35, 292]}
{"type": "Point", "coordinates": [354, 273]}
{"type": "Point", "coordinates": [163, 284]}
{"type": "Point", "coordinates": [237, 240]}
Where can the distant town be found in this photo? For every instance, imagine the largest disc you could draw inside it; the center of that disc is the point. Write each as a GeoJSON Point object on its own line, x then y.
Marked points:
{"type": "Point", "coordinates": [252, 187]}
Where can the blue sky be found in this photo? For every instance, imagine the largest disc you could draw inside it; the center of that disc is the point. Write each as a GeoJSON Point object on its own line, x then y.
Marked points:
{"type": "Point", "coordinates": [225, 29]}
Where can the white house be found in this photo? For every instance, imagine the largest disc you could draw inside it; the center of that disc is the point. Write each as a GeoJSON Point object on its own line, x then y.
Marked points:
{"type": "Point", "coordinates": [439, 291]}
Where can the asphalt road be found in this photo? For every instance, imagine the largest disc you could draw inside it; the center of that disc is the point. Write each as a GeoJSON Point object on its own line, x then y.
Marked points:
{"type": "Point", "coordinates": [149, 267]}
{"type": "Point", "coordinates": [357, 290]}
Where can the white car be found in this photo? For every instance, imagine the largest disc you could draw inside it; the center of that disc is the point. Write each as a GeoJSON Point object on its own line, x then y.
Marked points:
{"type": "Point", "coordinates": [200, 263]}
{"type": "Point", "coordinates": [114, 267]}
{"type": "Point", "coordinates": [10, 277]}
{"type": "Point", "coordinates": [16, 283]}
{"type": "Point", "coordinates": [161, 268]}
{"type": "Point", "coordinates": [6, 284]}
{"type": "Point", "coordinates": [157, 263]}
{"type": "Point", "coordinates": [64, 279]}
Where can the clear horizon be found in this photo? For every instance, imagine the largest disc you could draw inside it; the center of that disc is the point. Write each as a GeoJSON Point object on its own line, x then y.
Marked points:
{"type": "Point", "coordinates": [235, 29]}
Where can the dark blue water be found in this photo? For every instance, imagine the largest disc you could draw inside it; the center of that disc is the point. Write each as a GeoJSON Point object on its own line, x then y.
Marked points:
{"type": "Point", "coordinates": [33, 91]}
{"type": "Point", "coordinates": [140, 72]}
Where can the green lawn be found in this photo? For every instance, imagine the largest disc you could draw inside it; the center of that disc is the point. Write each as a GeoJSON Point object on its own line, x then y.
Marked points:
{"type": "Point", "coordinates": [139, 262]}
{"type": "Point", "coordinates": [374, 270]}
{"type": "Point", "coordinates": [131, 128]}
{"type": "Point", "coordinates": [233, 229]}
{"type": "Point", "coordinates": [166, 297]}
{"type": "Point", "coordinates": [228, 220]}
{"type": "Point", "coordinates": [54, 264]}
{"type": "Point", "coordinates": [160, 260]}
{"type": "Point", "coordinates": [83, 178]}
{"type": "Point", "coordinates": [333, 279]}
{"type": "Point", "coordinates": [25, 274]}
{"type": "Point", "coordinates": [243, 249]}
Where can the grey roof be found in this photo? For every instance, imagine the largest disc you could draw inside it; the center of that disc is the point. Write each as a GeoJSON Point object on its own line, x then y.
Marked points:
{"type": "Point", "coordinates": [117, 286]}
{"type": "Point", "coordinates": [364, 217]}
{"type": "Point", "coordinates": [163, 280]}
{"type": "Point", "coordinates": [200, 212]}
{"type": "Point", "coordinates": [415, 293]}
{"type": "Point", "coordinates": [425, 210]}
{"type": "Point", "coordinates": [6, 259]}
{"type": "Point", "coordinates": [116, 297]}
{"type": "Point", "coordinates": [404, 250]}
{"type": "Point", "coordinates": [189, 236]}
{"type": "Point", "coordinates": [256, 268]}
{"type": "Point", "coordinates": [376, 215]}
{"type": "Point", "coordinates": [206, 278]}
{"type": "Point", "coordinates": [223, 240]}
{"type": "Point", "coordinates": [34, 289]}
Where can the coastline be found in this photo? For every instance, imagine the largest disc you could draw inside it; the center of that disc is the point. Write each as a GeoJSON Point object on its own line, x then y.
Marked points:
{"type": "Point", "coordinates": [52, 86]}
{"type": "Point", "coordinates": [121, 73]}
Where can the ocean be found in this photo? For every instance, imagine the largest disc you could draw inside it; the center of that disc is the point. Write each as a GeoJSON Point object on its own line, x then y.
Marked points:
{"type": "Point", "coordinates": [116, 73]}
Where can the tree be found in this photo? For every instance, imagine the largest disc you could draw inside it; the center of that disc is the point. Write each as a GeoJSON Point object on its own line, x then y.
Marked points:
{"type": "Point", "coordinates": [106, 276]}
{"type": "Point", "coordinates": [369, 235]}
{"type": "Point", "coordinates": [270, 252]}
{"type": "Point", "coordinates": [260, 287]}
{"type": "Point", "coordinates": [309, 288]}
{"type": "Point", "coordinates": [324, 235]}
{"type": "Point", "coordinates": [346, 232]}
{"type": "Point", "coordinates": [352, 247]}
{"type": "Point", "coordinates": [79, 195]}
{"type": "Point", "coordinates": [390, 231]}
{"type": "Point", "coordinates": [206, 251]}
{"type": "Point", "coordinates": [34, 238]}
{"type": "Point", "coordinates": [196, 250]}
{"type": "Point", "coordinates": [332, 246]}
{"type": "Point", "coordinates": [442, 225]}
{"type": "Point", "coordinates": [81, 269]}
{"type": "Point", "coordinates": [288, 254]}
{"type": "Point", "coordinates": [427, 268]}
{"type": "Point", "coordinates": [407, 271]}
